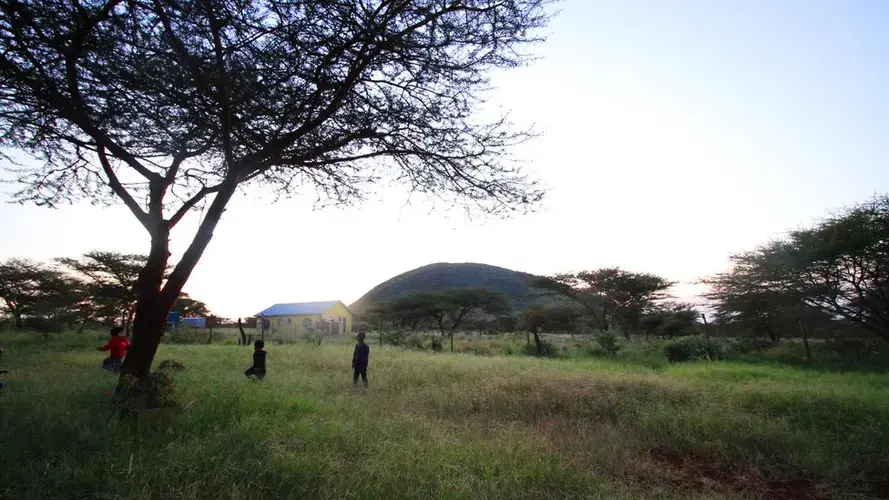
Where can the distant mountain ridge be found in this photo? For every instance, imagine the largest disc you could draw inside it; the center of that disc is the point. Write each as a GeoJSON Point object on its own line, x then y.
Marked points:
{"type": "Point", "coordinates": [514, 285]}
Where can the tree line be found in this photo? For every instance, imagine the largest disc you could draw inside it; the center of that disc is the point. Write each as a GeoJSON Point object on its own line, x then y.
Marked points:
{"type": "Point", "coordinates": [827, 280]}
{"type": "Point", "coordinates": [831, 278]}
{"type": "Point", "coordinates": [98, 288]}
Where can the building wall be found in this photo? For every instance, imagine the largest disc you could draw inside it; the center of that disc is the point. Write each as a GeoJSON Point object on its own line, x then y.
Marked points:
{"type": "Point", "coordinates": [340, 311]}
{"type": "Point", "coordinates": [291, 327]}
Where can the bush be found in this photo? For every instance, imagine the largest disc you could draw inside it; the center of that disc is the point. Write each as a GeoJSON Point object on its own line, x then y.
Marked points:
{"type": "Point", "coordinates": [693, 349]}
{"type": "Point", "coordinates": [853, 349]}
{"type": "Point", "coordinates": [415, 341]}
{"type": "Point", "coordinates": [746, 345]}
{"type": "Point", "coordinates": [436, 344]}
{"type": "Point", "coordinates": [394, 338]}
{"type": "Point", "coordinates": [184, 336]}
{"type": "Point", "coordinates": [314, 338]}
{"type": "Point", "coordinates": [608, 343]}
{"type": "Point", "coordinates": [547, 348]}
{"type": "Point", "coordinates": [160, 393]}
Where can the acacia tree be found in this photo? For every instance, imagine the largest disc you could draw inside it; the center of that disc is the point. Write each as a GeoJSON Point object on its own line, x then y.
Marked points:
{"type": "Point", "coordinates": [166, 105]}
{"type": "Point", "coordinates": [111, 279]}
{"type": "Point", "coordinates": [610, 294]}
{"type": "Point", "coordinates": [839, 267]}
{"type": "Point", "coordinates": [20, 287]}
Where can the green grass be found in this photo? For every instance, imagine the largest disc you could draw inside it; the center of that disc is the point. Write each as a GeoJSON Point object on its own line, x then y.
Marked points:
{"type": "Point", "coordinates": [441, 426]}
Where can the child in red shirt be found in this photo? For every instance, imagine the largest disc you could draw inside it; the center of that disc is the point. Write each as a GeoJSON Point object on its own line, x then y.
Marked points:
{"type": "Point", "coordinates": [118, 346]}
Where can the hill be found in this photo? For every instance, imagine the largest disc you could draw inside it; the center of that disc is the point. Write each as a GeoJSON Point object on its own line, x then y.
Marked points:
{"type": "Point", "coordinates": [514, 285]}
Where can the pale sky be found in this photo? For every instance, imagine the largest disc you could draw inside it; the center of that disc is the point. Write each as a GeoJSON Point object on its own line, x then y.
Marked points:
{"type": "Point", "coordinates": [675, 133]}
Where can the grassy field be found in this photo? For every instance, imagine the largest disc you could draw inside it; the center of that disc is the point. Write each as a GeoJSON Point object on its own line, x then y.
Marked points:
{"type": "Point", "coordinates": [441, 426]}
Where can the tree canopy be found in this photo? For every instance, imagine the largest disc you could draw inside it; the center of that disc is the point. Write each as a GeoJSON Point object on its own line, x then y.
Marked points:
{"type": "Point", "coordinates": [836, 269]}
{"type": "Point", "coordinates": [167, 106]}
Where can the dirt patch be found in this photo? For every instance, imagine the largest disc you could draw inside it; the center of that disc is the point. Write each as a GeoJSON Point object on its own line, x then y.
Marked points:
{"type": "Point", "coordinates": [691, 472]}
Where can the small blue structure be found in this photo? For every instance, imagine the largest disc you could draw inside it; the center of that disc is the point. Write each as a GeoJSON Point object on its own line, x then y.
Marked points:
{"type": "Point", "coordinates": [194, 322]}
{"type": "Point", "coordinates": [173, 319]}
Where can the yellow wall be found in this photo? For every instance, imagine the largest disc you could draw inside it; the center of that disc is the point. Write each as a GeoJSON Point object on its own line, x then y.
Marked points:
{"type": "Point", "coordinates": [293, 326]}
{"type": "Point", "coordinates": [340, 311]}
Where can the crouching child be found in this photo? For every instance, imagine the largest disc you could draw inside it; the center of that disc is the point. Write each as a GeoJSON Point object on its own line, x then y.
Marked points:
{"type": "Point", "coordinates": [257, 371]}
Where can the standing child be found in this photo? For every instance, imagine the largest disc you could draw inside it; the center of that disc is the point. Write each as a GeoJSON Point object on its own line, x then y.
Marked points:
{"type": "Point", "coordinates": [258, 368]}
{"type": "Point", "coordinates": [360, 358]}
{"type": "Point", "coordinates": [118, 346]}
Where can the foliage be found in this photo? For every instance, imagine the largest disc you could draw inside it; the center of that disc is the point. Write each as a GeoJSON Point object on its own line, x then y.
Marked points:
{"type": "Point", "coordinates": [158, 392]}
{"type": "Point", "coordinates": [190, 308]}
{"type": "Point", "coordinates": [608, 343]}
{"type": "Point", "coordinates": [170, 106]}
{"type": "Point", "coordinates": [447, 309]}
{"type": "Point", "coordinates": [837, 268]}
{"type": "Point", "coordinates": [609, 295]}
{"type": "Point", "coordinates": [693, 349]}
{"type": "Point", "coordinates": [670, 320]}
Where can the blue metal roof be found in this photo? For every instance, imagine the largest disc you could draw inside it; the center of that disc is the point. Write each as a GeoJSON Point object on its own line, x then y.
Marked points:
{"type": "Point", "coordinates": [297, 308]}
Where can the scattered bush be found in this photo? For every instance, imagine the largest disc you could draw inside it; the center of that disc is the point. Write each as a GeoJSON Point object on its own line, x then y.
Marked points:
{"type": "Point", "coordinates": [746, 345]}
{"type": "Point", "coordinates": [395, 337]}
{"type": "Point", "coordinates": [693, 349]}
{"type": "Point", "coordinates": [547, 349]}
{"type": "Point", "coordinates": [437, 344]}
{"type": "Point", "coordinates": [314, 338]}
{"type": "Point", "coordinates": [415, 341]}
{"type": "Point", "coordinates": [186, 336]}
{"type": "Point", "coordinates": [853, 349]}
{"type": "Point", "coordinates": [608, 343]}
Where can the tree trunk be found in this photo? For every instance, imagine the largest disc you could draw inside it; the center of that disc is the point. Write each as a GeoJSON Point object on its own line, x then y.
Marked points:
{"type": "Point", "coordinates": [451, 336]}
{"type": "Point", "coordinates": [706, 326]}
{"type": "Point", "coordinates": [151, 310]}
{"type": "Point", "coordinates": [805, 333]}
{"type": "Point", "coordinates": [538, 343]}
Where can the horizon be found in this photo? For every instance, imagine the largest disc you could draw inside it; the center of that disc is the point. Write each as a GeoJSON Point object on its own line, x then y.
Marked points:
{"type": "Point", "coordinates": [673, 136]}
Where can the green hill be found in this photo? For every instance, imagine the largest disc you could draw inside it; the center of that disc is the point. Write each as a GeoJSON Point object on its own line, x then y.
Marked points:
{"type": "Point", "coordinates": [514, 285]}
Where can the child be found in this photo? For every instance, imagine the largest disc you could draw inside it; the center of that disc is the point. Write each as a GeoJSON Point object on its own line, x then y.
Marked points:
{"type": "Point", "coordinates": [118, 346]}
{"type": "Point", "coordinates": [360, 358]}
{"type": "Point", "coordinates": [258, 368]}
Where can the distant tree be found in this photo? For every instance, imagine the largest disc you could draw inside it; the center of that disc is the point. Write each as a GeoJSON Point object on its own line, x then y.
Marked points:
{"type": "Point", "coordinates": [46, 297]}
{"type": "Point", "coordinates": [111, 281]}
{"type": "Point", "coordinates": [457, 305]}
{"type": "Point", "coordinates": [165, 106]}
{"type": "Point", "coordinates": [447, 309]}
{"type": "Point", "coordinates": [20, 282]}
{"type": "Point", "coordinates": [671, 320]}
{"type": "Point", "coordinates": [190, 308]}
{"type": "Point", "coordinates": [609, 295]}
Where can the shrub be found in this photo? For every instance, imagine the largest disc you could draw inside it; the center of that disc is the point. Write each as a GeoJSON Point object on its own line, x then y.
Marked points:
{"type": "Point", "coordinates": [746, 345]}
{"type": "Point", "coordinates": [394, 338]}
{"type": "Point", "coordinates": [436, 344]}
{"type": "Point", "coordinates": [547, 349]}
{"type": "Point", "coordinates": [160, 392]}
{"type": "Point", "coordinates": [608, 343]}
{"type": "Point", "coordinates": [186, 336]}
{"type": "Point", "coordinates": [693, 349]}
{"type": "Point", "coordinates": [853, 349]}
{"type": "Point", "coordinates": [313, 338]}
{"type": "Point", "coordinates": [415, 341]}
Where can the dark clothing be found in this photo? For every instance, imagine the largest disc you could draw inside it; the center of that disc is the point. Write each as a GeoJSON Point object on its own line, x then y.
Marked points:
{"type": "Point", "coordinates": [258, 368]}
{"type": "Point", "coordinates": [361, 357]}
{"type": "Point", "coordinates": [112, 364]}
{"type": "Point", "coordinates": [362, 374]}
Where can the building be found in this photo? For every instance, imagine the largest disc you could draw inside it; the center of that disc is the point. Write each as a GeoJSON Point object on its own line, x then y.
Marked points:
{"type": "Point", "coordinates": [289, 320]}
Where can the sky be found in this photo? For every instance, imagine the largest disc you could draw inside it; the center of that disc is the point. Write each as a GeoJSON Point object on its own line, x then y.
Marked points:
{"type": "Point", "coordinates": [674, 133]}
